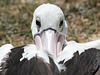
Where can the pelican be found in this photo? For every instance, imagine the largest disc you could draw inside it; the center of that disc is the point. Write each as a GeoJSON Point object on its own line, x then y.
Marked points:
{"type": "Point", "coordinates": [51, 53]}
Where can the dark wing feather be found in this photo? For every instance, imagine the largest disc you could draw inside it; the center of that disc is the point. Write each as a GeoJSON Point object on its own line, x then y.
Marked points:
{"type": "Point", "coordinates": [87, 63]}
{"type": "Point", "coordinates": [34, 66]}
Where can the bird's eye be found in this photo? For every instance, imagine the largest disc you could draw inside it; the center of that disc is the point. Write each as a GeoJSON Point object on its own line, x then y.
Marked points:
{"type": "Point", "coordinates": [61, 25]}
{"type": "Point", "coordinates": [38, 23]}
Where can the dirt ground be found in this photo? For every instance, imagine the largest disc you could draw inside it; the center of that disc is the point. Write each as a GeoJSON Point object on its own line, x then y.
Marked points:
{"type": "Point", "coordinates": [82, 16]}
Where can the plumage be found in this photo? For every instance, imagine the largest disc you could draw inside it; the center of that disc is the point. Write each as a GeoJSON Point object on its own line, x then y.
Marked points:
{"type": "Point", "coordinates": [87, 63]}
{"type": "Point", "coordinates": [73, 47]}
{"type": "Point", "coordinates": [34, 66]}
{"type": "Point", "coordinates": [51, 54]}
{"type": "Point", "coordinates": [6, 49]}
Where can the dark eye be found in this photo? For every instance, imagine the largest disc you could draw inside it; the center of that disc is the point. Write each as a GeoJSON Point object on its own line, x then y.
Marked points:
{"type": "Point", "coordinates": [61, 25]}
{"type": "Point", "coordinates": [38, 23]}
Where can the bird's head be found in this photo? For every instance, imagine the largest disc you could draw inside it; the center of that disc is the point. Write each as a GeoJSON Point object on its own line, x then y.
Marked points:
{"type": "Point", "coordinates": [49, 28]}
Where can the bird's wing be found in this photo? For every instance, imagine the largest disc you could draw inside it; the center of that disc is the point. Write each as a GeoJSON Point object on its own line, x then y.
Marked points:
{"type": "Point", "coordinates": [73, 47]}
{"type": "Point", "coordinates": [4, 54]}
{"type": "Point", "coordinates": [27, 60]}
{"type": "Point", "coordinates": [87, 63]}
{"type": "Point", "coordinates": [4, 50]}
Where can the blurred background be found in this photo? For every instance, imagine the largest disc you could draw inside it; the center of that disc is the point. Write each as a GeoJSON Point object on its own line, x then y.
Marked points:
{"type": "Point", "coordinates": [82, 16]}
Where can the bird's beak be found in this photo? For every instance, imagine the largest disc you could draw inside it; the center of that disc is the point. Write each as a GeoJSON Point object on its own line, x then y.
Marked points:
{"type": "Point", "coordinates": [50, 41]}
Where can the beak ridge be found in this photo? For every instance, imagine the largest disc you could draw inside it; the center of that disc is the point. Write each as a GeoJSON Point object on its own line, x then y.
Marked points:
{"type": "Point", "coordinates": [49, 41]}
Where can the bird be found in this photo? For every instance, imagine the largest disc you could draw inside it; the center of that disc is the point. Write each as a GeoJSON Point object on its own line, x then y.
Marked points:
{"type": "Point", "coordinates": [51, 54]}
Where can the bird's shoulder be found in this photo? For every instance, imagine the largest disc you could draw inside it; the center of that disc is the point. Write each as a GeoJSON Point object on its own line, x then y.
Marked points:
{"type": "Point", "coordinates": [86, 63]}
